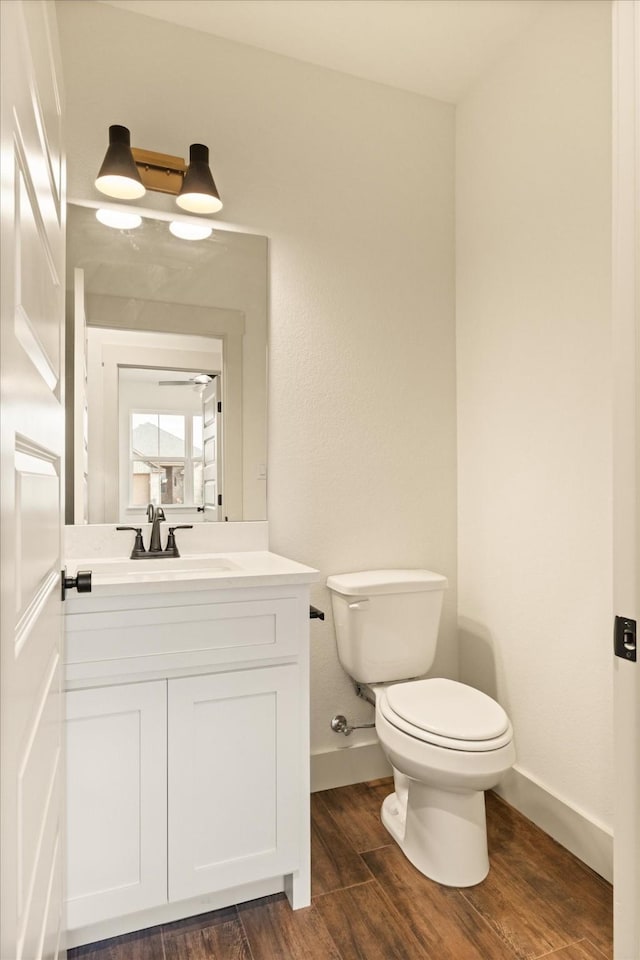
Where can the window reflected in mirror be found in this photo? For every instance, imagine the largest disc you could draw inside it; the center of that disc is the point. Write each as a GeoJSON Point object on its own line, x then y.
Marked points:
{"type": "Point", "coordinates": [165, 457]}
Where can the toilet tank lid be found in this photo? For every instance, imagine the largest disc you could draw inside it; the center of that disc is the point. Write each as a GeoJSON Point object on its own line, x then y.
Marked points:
{"type": "Point", "coordinates": [370, 582]}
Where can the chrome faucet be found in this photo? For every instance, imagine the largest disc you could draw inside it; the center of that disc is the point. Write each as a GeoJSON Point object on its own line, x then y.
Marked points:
{"type": "Point", "coordinates": [155, 516]}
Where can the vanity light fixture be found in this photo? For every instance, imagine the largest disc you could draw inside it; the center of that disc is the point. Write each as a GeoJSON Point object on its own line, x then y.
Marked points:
{"type": "Point", "coordinates": [190, 231]}
{"type": "Point", "coordinates": [118, 176]}
{"type": "Point", "coordinates": [199, 193]}
{"type": "Point", "coordinates": [127, 172]}
{"type": "Point", "coordinates": [119, 219]}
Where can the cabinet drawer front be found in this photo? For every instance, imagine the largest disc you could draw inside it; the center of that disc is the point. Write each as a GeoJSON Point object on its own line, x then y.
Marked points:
{"type": "Point", "coordinates": [116, 793]}
{"type": "Point", "coordinates": [234, 781]}
{"type": "Point", "coordinates": [161, 638]}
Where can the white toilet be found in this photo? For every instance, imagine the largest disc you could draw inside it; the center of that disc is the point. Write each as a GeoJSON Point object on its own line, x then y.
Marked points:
{"type": "Point", "coordinates": [447, 742]}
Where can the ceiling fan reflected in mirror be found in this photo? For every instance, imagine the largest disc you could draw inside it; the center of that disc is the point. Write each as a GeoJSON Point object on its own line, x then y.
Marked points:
{"type": "Point", "coordinates": [200, 380]}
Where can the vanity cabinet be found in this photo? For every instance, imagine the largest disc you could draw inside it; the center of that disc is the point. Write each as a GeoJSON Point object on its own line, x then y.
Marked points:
{"type": "Point", "coordinates": [187, 754]}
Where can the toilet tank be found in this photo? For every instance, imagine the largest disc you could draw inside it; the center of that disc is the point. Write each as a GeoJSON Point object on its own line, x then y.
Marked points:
{"type": "Point", "coordinates": [386, 622]}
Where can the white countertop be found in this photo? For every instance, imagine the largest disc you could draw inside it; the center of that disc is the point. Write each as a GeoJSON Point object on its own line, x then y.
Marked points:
{"type": "Point", "coordinates": [249, 568]}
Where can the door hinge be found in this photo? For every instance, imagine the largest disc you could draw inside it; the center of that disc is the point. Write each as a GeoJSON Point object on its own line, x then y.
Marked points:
{"type": "Point", "coordinates": [624, 639]}
{"type": "Point", "coordinates": [219, 406]}
{"type": "Point", "coordinates": [219, 499]}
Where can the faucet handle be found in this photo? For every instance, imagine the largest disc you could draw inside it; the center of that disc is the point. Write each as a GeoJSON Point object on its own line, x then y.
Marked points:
{"type": "Point", "coordinates": [172, 547]}
{"type": "Point", "coordinates": [138, 546]}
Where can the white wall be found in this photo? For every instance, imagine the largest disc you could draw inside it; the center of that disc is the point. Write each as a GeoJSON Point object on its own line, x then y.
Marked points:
{"type": "Point", "coordinates": [534, 400]}
{"type": "Point", "coordinates": [353, 184]}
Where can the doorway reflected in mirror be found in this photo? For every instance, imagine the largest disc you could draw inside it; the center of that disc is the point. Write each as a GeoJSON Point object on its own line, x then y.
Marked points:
{"type": "Point", "coordinates": [161, 438]}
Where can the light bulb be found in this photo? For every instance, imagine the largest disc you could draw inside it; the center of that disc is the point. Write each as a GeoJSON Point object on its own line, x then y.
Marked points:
{"type": "Point", "coordinates": [119, 219]}
{"type": "Point", "coordinates": [122, 188]}
{"type": "Point", "coordinates": [199, 202]}
{"type": "Point", "coordinates": [190, 231]}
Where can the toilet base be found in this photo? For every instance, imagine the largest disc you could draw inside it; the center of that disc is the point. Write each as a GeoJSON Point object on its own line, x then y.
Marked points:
{"type": "Point", "coordinates": [442, 833]}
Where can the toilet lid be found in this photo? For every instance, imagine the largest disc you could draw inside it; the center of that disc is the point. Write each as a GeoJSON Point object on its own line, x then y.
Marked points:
{"type": "Point", "coordinates": [369, 583]}
{"type": "Point", "coordinates": [447, 709]}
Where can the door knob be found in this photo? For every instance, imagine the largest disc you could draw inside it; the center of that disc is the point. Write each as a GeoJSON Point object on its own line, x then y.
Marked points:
{"type": "Point", "coordinates": [81, 582]}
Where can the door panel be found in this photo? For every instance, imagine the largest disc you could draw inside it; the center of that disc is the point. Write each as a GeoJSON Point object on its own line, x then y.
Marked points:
{"type": "Point", "coordinates": [31, 456]}
{"type": "Point", "coordinates": [37, 543]}
{"type": "Point", "coordinates": [36, 275]}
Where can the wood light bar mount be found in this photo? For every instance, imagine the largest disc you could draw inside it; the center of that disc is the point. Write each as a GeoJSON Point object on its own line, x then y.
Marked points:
{"type": "Point", "coordinates": [160, 171]}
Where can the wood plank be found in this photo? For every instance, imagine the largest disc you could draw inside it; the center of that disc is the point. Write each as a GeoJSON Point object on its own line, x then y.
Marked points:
{"type": "Point", "coordinates": [365, 926]}
{"type": "Point", "coordinates": [541, 873]}
{"type": "Point", "coordinates": [141, 945]}
{"type": "Point", "coordinates": [199, 922]}
{"type": "Point", "coordinates": [584, 950]}
{"type": "Point", "coordinates": [442, 920]}
{"type": "Point", "coordinates": [356, 811]}
{"type": "Point", "coordinates": [276, 932]}
{"type": "Point", "coordinates": [220, 940]}
{"type": "Point", "coordinates": [527, 921]}
{"type": "Point", "coordinates": [334, 862]}
{"type": "Point", "coordinates": [511, 833]}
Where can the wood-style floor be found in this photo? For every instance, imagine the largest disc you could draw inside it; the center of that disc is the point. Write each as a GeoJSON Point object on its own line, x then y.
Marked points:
{"type": "Point", "coordinates": [369, 903]}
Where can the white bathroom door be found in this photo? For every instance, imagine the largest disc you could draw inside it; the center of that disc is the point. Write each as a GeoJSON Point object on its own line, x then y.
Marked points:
{"type": "Point", "coordinates": [31, 473]}
{"type": "Point", "coordinates": [626, 465]}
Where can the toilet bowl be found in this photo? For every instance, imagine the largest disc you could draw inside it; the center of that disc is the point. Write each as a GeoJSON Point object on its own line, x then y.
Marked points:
{"type": "Point", "coordinates": [447, 742]}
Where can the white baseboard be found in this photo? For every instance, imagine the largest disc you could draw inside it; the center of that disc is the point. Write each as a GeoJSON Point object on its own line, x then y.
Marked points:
{"type": "Point", "coordinates": [356, 764]}
{"type": "Point", "coordinates": [590, 841]}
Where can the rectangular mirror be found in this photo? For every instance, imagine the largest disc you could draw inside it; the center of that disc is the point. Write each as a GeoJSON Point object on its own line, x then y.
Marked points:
{"type": "Point", "coordinates": [166, 391]}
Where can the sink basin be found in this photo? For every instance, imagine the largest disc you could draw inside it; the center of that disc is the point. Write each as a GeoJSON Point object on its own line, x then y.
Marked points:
{"type": "Point", "coordinates": [152, 569]}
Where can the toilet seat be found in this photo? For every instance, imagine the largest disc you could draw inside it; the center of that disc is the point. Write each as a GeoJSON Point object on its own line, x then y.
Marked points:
{"type": "Point", "coordinates": [446, 714]}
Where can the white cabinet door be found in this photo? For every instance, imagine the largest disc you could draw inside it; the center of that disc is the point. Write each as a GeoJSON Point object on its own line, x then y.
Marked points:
{"type": "Point", "coordinates": [116, 789]}
{"type": "Point", "coordinates": [234, 779]}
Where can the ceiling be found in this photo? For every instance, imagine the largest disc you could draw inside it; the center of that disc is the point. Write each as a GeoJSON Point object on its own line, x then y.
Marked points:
{"type": "Point", "coordinates": [437, 48]}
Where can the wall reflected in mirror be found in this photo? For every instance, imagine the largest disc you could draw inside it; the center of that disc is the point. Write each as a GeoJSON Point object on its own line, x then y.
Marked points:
{"type": "Point", "coordinates": [145, 308]}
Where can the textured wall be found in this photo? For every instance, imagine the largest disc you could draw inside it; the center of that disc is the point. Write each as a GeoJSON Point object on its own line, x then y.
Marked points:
{"type": "Point", "coordinates": [353, 184]}
{"type": "Point", "coordinates": [534, 398]}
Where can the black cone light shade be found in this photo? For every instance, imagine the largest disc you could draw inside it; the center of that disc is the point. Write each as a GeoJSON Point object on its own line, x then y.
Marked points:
{"type": "Point", "coordinates": [119, 176]}
{"type": "Point", "coordinates": [199, 193]}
